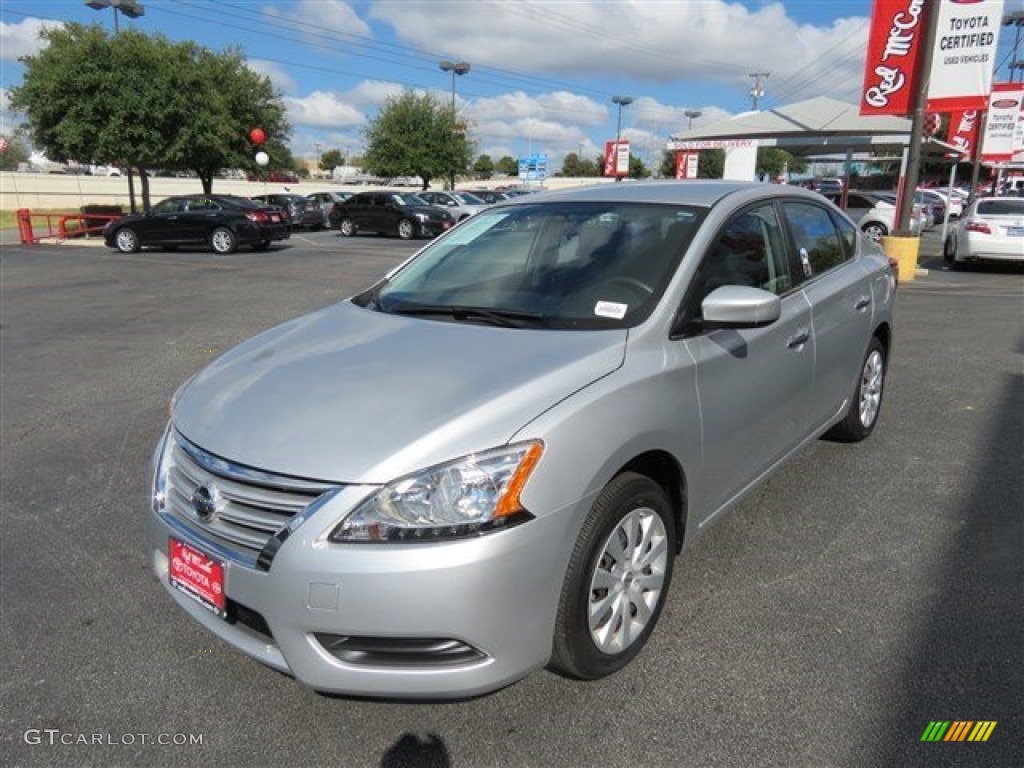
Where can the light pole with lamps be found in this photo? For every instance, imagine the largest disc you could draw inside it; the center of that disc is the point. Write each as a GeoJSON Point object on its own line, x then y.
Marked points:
{"type": "Point", "coordinates": [457, 68]}
{"type": "Point", "coordinates": [621, 101]}
{"type": "Point", "coordinates": [133, 10]}
{"type": "Point", "coordinates": [692, 114]}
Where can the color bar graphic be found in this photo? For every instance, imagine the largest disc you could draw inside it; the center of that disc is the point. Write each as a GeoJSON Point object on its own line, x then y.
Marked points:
{"type": "Point", "coordinates": [958, 730]}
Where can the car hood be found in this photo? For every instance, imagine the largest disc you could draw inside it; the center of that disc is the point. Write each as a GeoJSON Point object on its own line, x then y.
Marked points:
{"type": "Point", "coordinates": [351, 395]}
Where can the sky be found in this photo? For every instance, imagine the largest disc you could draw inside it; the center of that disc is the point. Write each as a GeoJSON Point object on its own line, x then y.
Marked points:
{"type": "Point", "coordinates": [542, 75]}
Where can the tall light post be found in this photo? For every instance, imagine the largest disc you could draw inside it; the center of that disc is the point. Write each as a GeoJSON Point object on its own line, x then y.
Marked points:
{"type": "Point", "coordinates": [133, 10]}
{"type": "Point", "coordinates": [621, 101]}
{"type": "Point", "coordinates": [692, 114]}
{"type": "Point", "coordinates": [457, 68]}
{"type": "Point", "coordinates": [130, 8]}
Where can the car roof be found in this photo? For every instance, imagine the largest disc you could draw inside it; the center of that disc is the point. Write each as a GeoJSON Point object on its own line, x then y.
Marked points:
{"type": "Point", "coordinates": [703, 193]}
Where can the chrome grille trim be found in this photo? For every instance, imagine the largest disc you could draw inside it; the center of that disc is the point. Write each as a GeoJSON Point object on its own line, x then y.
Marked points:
{"type": "Point", "coordinates": [252, 506]}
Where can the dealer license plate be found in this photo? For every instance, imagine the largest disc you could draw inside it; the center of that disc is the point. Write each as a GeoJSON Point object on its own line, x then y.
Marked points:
{"type": "Point", "coordinates": [198, 576]}
{"type": "Point", "coordinates": [275, 218]}
{"type": "Point", "coordinates": [1015, 231]}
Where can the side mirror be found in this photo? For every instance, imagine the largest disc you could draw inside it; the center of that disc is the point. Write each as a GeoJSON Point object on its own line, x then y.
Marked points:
{"type": "Point", "coordinates": [740, 306]}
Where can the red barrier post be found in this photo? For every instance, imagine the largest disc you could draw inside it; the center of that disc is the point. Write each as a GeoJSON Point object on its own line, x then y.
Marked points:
{"type": "Point", "coordinates": [25, 226]}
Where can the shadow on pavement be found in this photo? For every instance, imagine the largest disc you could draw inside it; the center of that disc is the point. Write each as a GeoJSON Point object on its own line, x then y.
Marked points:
{"type": "Point", "coordinates": [967, 663]}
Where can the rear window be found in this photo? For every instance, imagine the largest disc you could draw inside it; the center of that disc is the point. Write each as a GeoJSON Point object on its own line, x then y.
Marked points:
{"type": "Point", "coordinates": [1005, 207]}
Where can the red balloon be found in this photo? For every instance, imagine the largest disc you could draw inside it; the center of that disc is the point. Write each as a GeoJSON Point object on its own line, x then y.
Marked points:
{"type": "Point", "coordinates": [257, 136]}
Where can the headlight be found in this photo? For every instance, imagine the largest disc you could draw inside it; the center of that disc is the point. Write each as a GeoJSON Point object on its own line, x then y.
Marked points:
{"type": "Point", "coordinates": [472, 495]}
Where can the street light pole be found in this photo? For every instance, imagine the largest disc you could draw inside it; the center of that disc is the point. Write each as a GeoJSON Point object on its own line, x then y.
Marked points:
{"type": "Point", "coordinates": [457, 68]}
{"type": "Point", "coordinates": [133, 10]}
{"type": "Point", "coordinates": [621, 101]}
{"type": "Point", "coordinates": [692, 114]}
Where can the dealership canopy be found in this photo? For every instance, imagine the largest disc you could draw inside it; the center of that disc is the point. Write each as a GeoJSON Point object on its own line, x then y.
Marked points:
{"type": "Point", "coordinates": [814, 127]}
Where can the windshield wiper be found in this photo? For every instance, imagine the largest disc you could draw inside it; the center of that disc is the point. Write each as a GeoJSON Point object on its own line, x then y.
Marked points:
{"type": "Point", "coordinates": [507, 318]}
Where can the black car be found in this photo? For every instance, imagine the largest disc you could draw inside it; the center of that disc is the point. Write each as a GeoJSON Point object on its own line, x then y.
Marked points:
{"type": "Point", "coordinates": [392, 213]}
{"type": "Point", "coordinates": [223, 222]}
{"type": "Point", "coordinates": [302, 211]}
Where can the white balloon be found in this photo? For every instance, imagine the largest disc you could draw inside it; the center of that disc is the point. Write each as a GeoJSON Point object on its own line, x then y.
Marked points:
{"type": "Point", "coordinates": [262, 158]}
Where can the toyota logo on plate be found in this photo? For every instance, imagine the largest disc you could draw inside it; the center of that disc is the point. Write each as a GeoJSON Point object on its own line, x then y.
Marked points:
{"type": "Point", "coordinates": [204, 502]}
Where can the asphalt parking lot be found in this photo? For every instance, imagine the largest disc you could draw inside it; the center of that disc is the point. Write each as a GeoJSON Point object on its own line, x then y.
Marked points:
{"type": "Point", "coordinates": [864, 592]}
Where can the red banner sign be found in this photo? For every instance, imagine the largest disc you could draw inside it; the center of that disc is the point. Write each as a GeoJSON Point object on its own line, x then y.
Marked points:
{"type": "Point", "coordinates": [963, 131]}
{"type": "Point", "coordinates": [894, 42]}
{"type": "Point", "coordinates": [686, 165]}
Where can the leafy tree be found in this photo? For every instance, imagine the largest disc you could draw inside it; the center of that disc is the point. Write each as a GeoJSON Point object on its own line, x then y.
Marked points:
{"type": "Point", "coordinates": [774, 162]}
{"type": "Point", "coordinates": [142, 102]}
{"type": "Point", "coordinates": [668, 164]}
{"type": "Point", "coordinates": [331, 159]}
{"type": "Point", "coordinates": [483, 167]}
{"type": "Point", "coordinates": [415, 135]}
{"type": "Point", "coordinates": [637, 169]}
{"type": "Point", "coordinates": [508, 165]}
{"type": "Point", "coordinates": [571, 165]}
{"type": "Point", "coordinates": [711, 164]}
{"type": "Point", "coordinates": [15, 154]}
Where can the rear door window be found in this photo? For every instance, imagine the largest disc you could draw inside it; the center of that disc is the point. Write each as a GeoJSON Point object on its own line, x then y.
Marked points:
{"type": "Point", "coordinates": [815, 238]}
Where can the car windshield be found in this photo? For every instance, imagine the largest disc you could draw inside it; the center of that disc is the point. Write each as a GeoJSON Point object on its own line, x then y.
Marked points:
{"type": "Point", "coordinates": [467, 199]}
{"type": "Point", "coordinates": [1006, 206]}
{"type": "Point", "coordinates": [407, 198]}
{"type": "Point", "coordinates": [552, 265]}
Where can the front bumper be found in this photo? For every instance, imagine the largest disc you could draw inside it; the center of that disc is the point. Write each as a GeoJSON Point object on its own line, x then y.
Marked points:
{"type": "Point", "coordinates": [494, 597]}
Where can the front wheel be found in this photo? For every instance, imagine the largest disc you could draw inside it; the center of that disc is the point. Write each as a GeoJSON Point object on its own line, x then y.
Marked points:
{"type": "Point", "coordinates": [126, 240]}
{"type": "Point", "coordinates": [949, 250]}
{"type": "Point", "coordinates": [862, 414]}
{"type": "Point", "coordinates": [347, 227]}
{"type": "Point", "coordinates": [406, 229]}
{"type": "Point", "coordinates": [617, 579]}
{"type": "Point", "coordinates": [875, 230]}
{"type": "Point", "coordinates": [223, 241]}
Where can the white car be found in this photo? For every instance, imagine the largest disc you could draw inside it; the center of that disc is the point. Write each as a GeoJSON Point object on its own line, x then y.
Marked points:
{"type": "Point", "coordinates": [881, 220]}
{"type": "Point", "coordinates": [461, 205]}
{"type": "Point", "coordinates": [991, 229]}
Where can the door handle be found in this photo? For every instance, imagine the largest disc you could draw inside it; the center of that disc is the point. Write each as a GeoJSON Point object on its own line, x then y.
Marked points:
{"type": "Point", "coordinates": [798, 339]}
{"type": "Point", "coordinates": [862, 303]}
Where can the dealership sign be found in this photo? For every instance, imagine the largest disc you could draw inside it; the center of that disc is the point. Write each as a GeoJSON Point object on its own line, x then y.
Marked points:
{"type": "Point", "coordinates": [686, 165]}
{"type": "Point", "coordinates": [963, 130]}
{"type": "Point", "coordinates": [616, 158]}
{"type": "Point", "coordinates": [962, 55]}
{"type": "Point", "coordinates": [1004, 108]}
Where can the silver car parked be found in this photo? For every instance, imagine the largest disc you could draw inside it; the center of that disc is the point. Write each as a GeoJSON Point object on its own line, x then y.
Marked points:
{"type": "Point", "coordinates": [461, 205]}
{"type": "Point", "coordinates": [487, 462]}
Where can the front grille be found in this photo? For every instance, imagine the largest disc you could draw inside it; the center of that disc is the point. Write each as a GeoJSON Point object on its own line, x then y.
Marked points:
{"type": "Point", "coordinates": [244, 507]}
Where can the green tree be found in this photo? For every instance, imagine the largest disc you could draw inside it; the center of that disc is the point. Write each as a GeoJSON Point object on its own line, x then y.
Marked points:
{"type": "Point", "coordinates": [667, 168]}
{"type": "Point", "coordinates": [637, 168]}
{"type": "Point", "coordinates": [711, 164]}
{"type": "Point", "coordinates": [774, 162]}
{"type": "Point", "coordinates": [508, 165]}
{"type": "Point", "coordinates": [331, 159]}
{"type": "Point", "coordinates": [15, 153]}
{"type": "Point", "coordinates": [483, 167]}
{"type": "Point", "coordinates": [571, 165]}
{"type": "Point", "coordinates": [415, 135]}
{"type": "Point", "coordinates": [141, 102]}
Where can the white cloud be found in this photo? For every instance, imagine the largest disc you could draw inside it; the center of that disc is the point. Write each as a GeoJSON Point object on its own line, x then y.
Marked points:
{"type": "Point", "coordinates": [22, 39]}
{"type": "Point", "coordinates": [323, 110]}
{"type": "Point", "coordinates": [639, 41]}
{"type": "Point", "coordinates": [328, 16]}
{"type": "Point", "coordinates": [281, 79]}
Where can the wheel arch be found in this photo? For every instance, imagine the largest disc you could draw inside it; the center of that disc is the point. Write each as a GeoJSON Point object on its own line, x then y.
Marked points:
{"type": "Point", "coordinates": [662, 468]}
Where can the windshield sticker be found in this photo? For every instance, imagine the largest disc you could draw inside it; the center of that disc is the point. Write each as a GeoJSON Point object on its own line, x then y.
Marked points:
{"type": "Point", "coordinates": [610, 309]}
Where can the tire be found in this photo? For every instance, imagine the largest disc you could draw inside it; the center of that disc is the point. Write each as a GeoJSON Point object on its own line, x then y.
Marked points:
{"type": "Point", "coordinates": [949, 250]}
{"type": "Point", "coordinates": [406, 229]}
{"type": "Point", "coordinates": [875, 230]}
{"type": "Point", "coordinates": [126, 240]}
{"type": "Point", "coordinates": [223, 241]}
{"type": "Point", "coordinates": [347, 227]}
{"type": "Point", "coordinates": [617, 579]}
{"type": "Point", "coordinates": [862, 415]}
{"type": "Point", "coordinates": [262, 245]}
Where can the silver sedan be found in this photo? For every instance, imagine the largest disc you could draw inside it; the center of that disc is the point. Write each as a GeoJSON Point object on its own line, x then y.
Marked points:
{"type": "Point", "coordinates": [488, 462]}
